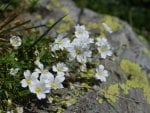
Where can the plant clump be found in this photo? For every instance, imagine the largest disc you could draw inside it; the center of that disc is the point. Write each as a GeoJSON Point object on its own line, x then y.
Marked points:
{"type": "Point", "coordinates": [39, 67]}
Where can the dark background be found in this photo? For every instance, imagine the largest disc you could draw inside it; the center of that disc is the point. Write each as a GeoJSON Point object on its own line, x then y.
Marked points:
{"type": "Point", "coordinates": [135, 12]}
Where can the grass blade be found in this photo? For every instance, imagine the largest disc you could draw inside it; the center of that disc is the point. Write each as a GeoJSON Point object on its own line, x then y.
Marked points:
{"type": "Point", "coordinates": [11, 28]}
{"type": "Point", "coordinates": [9, 21]}
{"type": "Point", "coordinates": [32, 27]}
{"type": "Point", "coordinates": [46, 32]}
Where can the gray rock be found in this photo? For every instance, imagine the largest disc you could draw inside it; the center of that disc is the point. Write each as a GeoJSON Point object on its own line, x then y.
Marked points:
{"type": "Point", "coordinates": [126, 45]}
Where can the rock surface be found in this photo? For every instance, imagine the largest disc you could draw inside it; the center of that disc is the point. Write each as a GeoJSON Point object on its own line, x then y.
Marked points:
{"type": "Point", "coordinates": [126, 45]}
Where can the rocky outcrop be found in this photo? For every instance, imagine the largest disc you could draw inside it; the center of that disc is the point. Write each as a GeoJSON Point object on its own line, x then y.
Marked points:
{"type": "Point", "coordinates": [127, 89]}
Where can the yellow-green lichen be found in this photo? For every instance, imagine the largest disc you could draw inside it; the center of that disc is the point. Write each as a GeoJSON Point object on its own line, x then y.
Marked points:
{"type": "Point", "coordinates": [78, 92]}
{"type": "Point", "coordinates": [147, 51]}
{"type": "Point", "coordinates": [138, 78]}
{"type": "Point", "coordinates": [38, 16]}
{"type": "Point", "coordinates": [56, 3]}
{"type": "Point", "coordinates": [63, 27]}
{"type": "Point", "coordinates": [65, 10]}
{"type": "Point", "coordinates": [68, 101]}
{"type": "Point", "coordinates": [99, 100]}
{"type": "Point", "coordinates": [88, 74]}
{"type": "Point", "coordinates": [111, 93]}
{"type": "Point", "coordinates": [51, 21]}
{"type": "Point", "coordinates": [125, 88]}
{"type": "Point", "coordinates": [112, 22]}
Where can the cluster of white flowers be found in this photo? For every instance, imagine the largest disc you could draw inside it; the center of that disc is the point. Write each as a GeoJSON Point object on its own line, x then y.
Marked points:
{"type": "Point", "coordinates": [41, 81]}
{"type": "Point", "coordinates": [80, 48]}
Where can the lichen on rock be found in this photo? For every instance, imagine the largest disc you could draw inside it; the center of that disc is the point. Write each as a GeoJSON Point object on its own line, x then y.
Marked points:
{"type": "Point", "coordinates": [138, 78]}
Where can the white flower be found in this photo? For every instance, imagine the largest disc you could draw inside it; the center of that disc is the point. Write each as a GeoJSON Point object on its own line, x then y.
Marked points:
{"type": "Point", "coordinates": [9, 102]}
{"type": "Point", "coordinates": [84, 41]}
{"type": "Point", "coordinates": [37, 61]}
{"type": "Point", "coordinates": [60, 43]}
{"type": "Point", "coordinates": [101, 74]}
{"type": "Point", "coordinates": [50, 99]}
{"type": "Point", "coordinates": [80, 31]}
{"type": "Point", "coordinates": [107, 28]}
{"type": "Point", "coordinates": [56, 83]}
{"type": "Point", "coordinates": [36, 53]}
{"type": "Point", "coordinates": [29, 78]}
{"type": "Point", "coordinates": [105, 51]}
{"type": "Point", "coordinates": [14, 71]}
{"type": "Point", "coordinates": [60, 68]}
{"type": "Point", "coordinates": [45, 75]}
{"type": "Point", "coordinates": [10, 111]}
{"type": "Point", "coordinates": [15, 41]}
{"type": "Point", "coordinates": [38, 87]}
{"type": "Point", "coordinates": [83, 67]}
{"type": "Point", "coordinates": [101, 41]}
{"type": "Point", "coordinates": [80, 53]}
{"type": "Point", "coordinates": [103, 47]}
{"type": "Point", "coordinates": [19, 109]}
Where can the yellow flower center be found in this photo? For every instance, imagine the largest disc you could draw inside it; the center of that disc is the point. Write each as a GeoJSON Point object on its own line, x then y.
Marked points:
{"type": "Point", "coordinates": [53, 85]}
{"type": "Point", "coordinates": [59, 42]}
{"type": "Point", "coordinates": [43, 72]}
{"type": "Point", "coordinates": [38, 89]}
{"type": "Point", "coordinates": [59, 69]}
{"type": "Point", "coordinates": [78, 51]}
{"type": "Point", "coordinates": [15, 42]}
{"type": "Point", "coordinates": [103, 49]}
{"type": "Point", "coordinates": [28, 81]}
{"type": "Point", "coordinates": [100, 72]}
{"type": "Point", "coordinates": [80, 32]}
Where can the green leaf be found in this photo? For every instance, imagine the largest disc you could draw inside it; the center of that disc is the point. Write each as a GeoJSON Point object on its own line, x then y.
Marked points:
{"type": "Point", "coordinates": [6, 94]}
{"type": "Point", "coordinates": [23, 93]}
